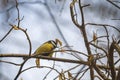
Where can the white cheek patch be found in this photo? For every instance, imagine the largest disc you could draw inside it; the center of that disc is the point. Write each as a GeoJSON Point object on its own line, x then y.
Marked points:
{"type": "Point", "coordinates": [54, 44]}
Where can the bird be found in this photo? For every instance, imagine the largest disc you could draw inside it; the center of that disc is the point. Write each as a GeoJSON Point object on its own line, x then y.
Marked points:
{"type": "Point", "coordinates": [46, 49]}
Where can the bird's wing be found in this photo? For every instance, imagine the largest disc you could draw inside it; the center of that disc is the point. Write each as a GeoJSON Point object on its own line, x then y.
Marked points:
{"type": "Point", "coordinates": [44, 49]}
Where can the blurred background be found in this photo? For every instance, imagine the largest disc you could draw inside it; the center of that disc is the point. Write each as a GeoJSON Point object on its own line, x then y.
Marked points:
{"type": "Point", "coordinates": [47, 20]}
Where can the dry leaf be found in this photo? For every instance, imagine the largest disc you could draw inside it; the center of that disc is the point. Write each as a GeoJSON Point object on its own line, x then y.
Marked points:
{"type": "Point", "coordinates": [94, 37]}
{"type": "Point", "coordinates": [37, 62]}
{"type": "Point", "coordinates": [58, 41]}
{"type": "Point", "coordinates": [15, 27]}
{"type": "Point", "coordinates": [62, 76]}
{"type": "Point", "coordinates": [69, 75]}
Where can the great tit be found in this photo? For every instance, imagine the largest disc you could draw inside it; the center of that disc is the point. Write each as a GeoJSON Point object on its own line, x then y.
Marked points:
{"type": "Point", "coordinates": [46, 49]}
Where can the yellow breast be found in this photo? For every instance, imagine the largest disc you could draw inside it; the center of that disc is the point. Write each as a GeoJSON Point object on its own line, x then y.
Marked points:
{"type": "Point", "coordinates": [44, 49]}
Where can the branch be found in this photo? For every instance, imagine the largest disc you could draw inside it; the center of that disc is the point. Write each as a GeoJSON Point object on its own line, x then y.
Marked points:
{"type": "Point", "coordinates": [40, 67]}
{"type": "Point", "coordinates": [99, 72]}
{"type": "Point", "coordinates": [73, 14]}
{"type": "Point", "coordinates": [95, 24]}
{"type": "Point", "coordinates": [117, 47]}
{"type": "Point", "coordinates": [57, 26]}
{"type": "Point", "coordinates": [77, 74]}
{"type": "Point", "coordinates": [83, 73]}
{"type": "Point", "coordinates": [97, 38]}
{"type": "Point", "coordinates": [99, 48]}
{"type": "Point", "coordinates": [81, 28]}
{"type": "Point", "coordinates": [19, 72]}
{"type": "Point", "coordinates": [118, 74]}
{"type": "Point", "coordinates": [25, 32]}
{"type": "Point", "coordinates": [111, 61]}
{"type": "Point", "coordinates": [54, 21]}
{"type": "Point", "coordinates": [74, 51]}
{"type": "Point", "coordinates": [6, 34]}
{"type": "Point", "coordinates": [45, 57]}
{"type": "Point", "coordinates": [68, 70]}
{"type": "Point", "coordinates": [108, 41]}
{"type": "Point", "coordinates": [18, 13]}
{"type": "Point", "coordinates": [10, 63]}
{"type": "Point", "coordinates": [54, 59]}
{"type": "Point", "coordinates": [98, 77]}
{"type": "Point", "coordinates": [114, 4]}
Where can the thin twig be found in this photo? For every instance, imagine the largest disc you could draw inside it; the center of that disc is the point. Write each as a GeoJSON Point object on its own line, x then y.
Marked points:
{"type": "Point", "coordinates": [47, 74]}
{"type": "Point", "coordinates": [97, 38]}
{"type": "Point", "coordinates": [20, 69]}
{"type": "Point", "coordinates": [83, 73]}
{"type": "Point", "coordinates": [73, 14]}
{"type": "Point", "coordinates": [99, 72]}
{"type": "Point", "coordinates": [10, 63]}
{"type": "Point", "coordinates": [117, 61]}
{"type": "Point", "coordinates": [98, 77]}
{"type": "Point", "coordinates": [75, 78]}
{"type": "Point", "coordinates": [18, 18]}
{"type": "Point", "coordinates": [57, 26]}
{"type": "Point", "coordinates": [99, 48]}
{"type": "Point", "coordinates": [68, 70]}
{"type": "Point", "coordinates": [6, 34]}
{"type": "Point", "coordinates": [24, 31]}
{"type": "Point", "coordinates": [114, 4]}
{"type": "Point", "coordinates": [108, 41]}
{"type": "Point", "coordinates": [107, 25]}
{"type": "Point", "coordinates": [28, 38]}
{"type": "Point", "coordinates": [40, 67]}
{"type": "Point", "coordinates": [118, 74]}
{"type": "Point", "coordinates": [29, 41]}
{"type": "Point", "coordinates": [54, 21]}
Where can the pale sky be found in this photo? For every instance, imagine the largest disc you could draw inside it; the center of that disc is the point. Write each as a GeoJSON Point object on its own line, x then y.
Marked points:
{"type": "Point", "coordinates": [41, 28]}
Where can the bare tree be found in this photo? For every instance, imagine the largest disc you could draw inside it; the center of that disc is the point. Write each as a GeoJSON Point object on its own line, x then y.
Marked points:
{"type": "Point", "coordinates": [99, 69]}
